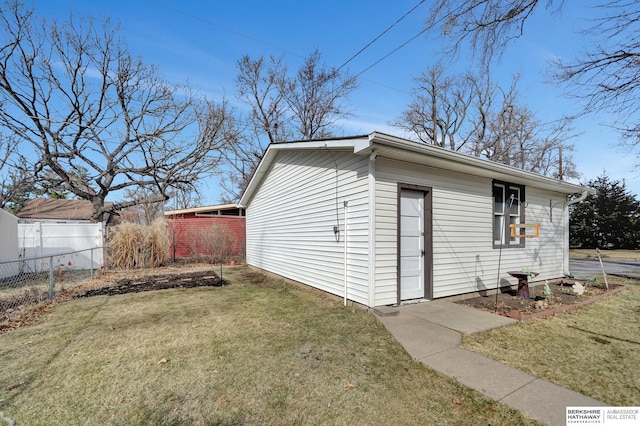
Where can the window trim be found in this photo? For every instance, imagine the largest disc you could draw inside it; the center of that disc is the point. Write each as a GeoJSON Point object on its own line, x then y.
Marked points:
{"type": "Point", "coordinates": [507, 241]}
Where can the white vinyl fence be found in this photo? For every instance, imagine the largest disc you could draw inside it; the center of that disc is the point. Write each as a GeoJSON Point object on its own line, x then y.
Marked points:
{"type": "Point", "coordinates": [37, 240]}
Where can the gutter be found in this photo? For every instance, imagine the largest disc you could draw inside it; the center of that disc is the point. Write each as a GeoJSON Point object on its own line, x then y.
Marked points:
{"type": "Point", "coordinates": [473, 165]}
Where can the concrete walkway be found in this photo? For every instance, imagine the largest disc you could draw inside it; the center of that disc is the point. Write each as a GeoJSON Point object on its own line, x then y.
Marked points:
{"type": "Point", "coordinates": [430, 332]}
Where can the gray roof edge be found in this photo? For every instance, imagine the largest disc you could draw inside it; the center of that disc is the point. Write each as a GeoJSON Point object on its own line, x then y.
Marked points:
{"type": "Point", "coordinates": [457, 157]}
{"type": "Point", "coordinates": [366, 143]}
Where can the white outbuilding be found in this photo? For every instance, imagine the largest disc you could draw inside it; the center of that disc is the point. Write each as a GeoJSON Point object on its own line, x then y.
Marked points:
{"type": "Point", "coordinates": [381, 220]}
{"type": "Point", "coordinates": [8, 244]}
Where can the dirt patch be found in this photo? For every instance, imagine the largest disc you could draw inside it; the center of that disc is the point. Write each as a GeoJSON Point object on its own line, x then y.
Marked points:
{"type": "Point", "coordinates": [564, 295]}
{"type": "Point", "coordinates": [117, 282]}
{"type": "Point", "coordinates": [157, 282]}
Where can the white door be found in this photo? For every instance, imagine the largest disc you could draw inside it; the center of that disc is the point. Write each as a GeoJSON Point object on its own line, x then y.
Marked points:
{"type": "Point", "coordinates": [411, 244]}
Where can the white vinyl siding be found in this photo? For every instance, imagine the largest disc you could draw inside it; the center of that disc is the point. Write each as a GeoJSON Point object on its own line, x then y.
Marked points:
{"type": "Point", "coordinates": [9, 244]}
{"type": "Point", "coordinates": [291, 213]}
{"type": "Point", "coordinates": [464, 259]}
{"type": "Point", "coordinates": [290, 221]}
{"type": "Point", "coordinates": [545, 253]}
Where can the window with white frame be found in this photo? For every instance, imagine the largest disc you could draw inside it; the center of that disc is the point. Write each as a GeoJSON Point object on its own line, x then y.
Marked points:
{"type": "Point", "coordinates": [508, 201]}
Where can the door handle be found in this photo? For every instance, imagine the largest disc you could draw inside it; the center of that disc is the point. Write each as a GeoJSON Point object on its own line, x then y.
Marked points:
{"type": "Point", "coordinates": [422, 253]}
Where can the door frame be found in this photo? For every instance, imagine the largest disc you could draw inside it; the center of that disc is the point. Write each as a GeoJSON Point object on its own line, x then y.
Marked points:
{"type": "Point", "coordinates": [428, 238]}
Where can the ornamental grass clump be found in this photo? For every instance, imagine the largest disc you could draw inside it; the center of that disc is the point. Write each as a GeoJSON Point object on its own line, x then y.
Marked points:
{"type": "Point", "coordinates": [136, 246]}
{"type": "Point", "coordinates": [157, 243]}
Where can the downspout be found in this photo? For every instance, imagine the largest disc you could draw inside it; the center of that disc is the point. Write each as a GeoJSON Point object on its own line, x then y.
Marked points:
{"type": "Point", "coordinates": [346, 239]}
{"type": "Point", "coordinates": [565, 263]}
{"type": "Point", "coordinates": [372, 227]}
{"type": "Point", "coordinates": [580, 199]}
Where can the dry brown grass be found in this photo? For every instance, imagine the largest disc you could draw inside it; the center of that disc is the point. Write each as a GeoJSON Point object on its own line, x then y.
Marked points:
{"type": "Point", "coordinates": [157, 243]}
{"type": "Point", "coordinates": [136, 246]}
{"type": "Point", "coordinates": [271, 353]}
{"type": "Point", "coordinates": [214, 244]}
{"type": "Point", "coordinates": [606, 254]}
{"type": "Point", "coordinates": [594, 350]}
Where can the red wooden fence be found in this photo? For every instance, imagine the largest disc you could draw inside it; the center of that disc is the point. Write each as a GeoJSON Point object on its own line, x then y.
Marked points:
{"type": "Point", "coordinates": [193, 236]}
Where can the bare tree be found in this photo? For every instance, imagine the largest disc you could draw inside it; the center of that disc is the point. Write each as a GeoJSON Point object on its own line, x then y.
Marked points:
{"type": "Point", "coordinates": [304, 106]}
{"type": "Point", "coordinates": [16, 183]}
{"type": "Point", "coordinates": [75, 94]}
{"type": "Point", "coordinates": [314, 98]}
{"type": "Point", "coordinates": [483, 94]}
{"type": "Point", "coordinates": [555, 156]}
{"type": "Point", "coordinates": [605, 75]}
{"type": "Point", "coordinates": [258, 86]}
{"type": "Point", "coordinates": [184, 197]}
{"type": "Point", "coordinates": [516, 137]}
{"type": "Point", "coordinates": [146, 207]}
{"type": "Point", "coordinates": [510, 128]}
{"type": "Point", "coordinates": [439, 108]}
{"type": "Point", "coordinates": [486, 25]}
{"type": "Point", "coordinates": [472, 114]}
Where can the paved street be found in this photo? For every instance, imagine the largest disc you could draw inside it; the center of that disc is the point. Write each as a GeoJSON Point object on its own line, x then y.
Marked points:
{"type": "Point", "coordinates": [586, 267]}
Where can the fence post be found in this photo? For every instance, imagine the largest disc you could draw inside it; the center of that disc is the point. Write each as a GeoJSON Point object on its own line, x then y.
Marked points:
{"type": "Point", "coordinates": [50, 277]}
{"type": "Point", "coordinates": [92, 263]}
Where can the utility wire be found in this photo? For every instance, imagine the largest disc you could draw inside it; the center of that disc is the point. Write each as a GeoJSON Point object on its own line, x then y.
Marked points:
{"type": "Point", "coordinates": [220, 27]}
{"type": "Point", "coordinates": [248, 37]}
{"type": "Point", "coordinates": [391, 53]}
{"type": "Point", "coordinates": [427, 28]}
{"type": "Point", "coordinates": [237, 33]}
{"type": "Point", "coordinates": [381, 34]}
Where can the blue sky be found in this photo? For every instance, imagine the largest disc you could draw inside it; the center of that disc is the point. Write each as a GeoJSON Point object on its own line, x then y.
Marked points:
{"type": "Point", "coordinates": [200, 41]}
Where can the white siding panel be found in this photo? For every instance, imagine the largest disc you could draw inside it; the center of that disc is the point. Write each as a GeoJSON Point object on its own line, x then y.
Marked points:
{"type": "Point", "coordinates": [463, 254]}
{"type": "Point", "coordinates": [290, 221]}
{"type": "Point", "coordinates": [9, 244]}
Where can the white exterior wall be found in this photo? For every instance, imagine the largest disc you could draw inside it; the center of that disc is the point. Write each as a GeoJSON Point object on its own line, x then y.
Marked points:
{"type": "Point", "coordinates": [464, 259]}
{"type": "Point", "coordinates": [547, 252]}
{"type": "Point", "coordinates": [8, 243]}
{"type": "Point", "coordinates": [290, 221]}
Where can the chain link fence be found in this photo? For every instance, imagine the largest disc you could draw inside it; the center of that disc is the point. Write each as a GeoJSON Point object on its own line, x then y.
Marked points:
{"type": "Point", "coordinates": [30, 281]}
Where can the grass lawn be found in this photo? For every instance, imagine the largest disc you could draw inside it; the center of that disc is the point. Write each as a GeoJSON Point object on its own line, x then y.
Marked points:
{"type": "Point", "coordinates": [259, 351]}
{"type": "Point", "coordinates": [594, 350]}
{"type": "Point", "coordinates": [620, 255]}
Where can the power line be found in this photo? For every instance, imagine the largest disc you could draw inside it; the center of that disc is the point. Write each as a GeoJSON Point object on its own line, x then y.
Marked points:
{"type": "Point", "coordinates": [248, 37]}
{"type": "Point", "coordinates": [220, 27]}
{"type": "Point", "coordinates": [381, 34]}
{"type": "Point", "coordinates": [391, 53]}
{"type": "Point", "coordinates": [427, 28]}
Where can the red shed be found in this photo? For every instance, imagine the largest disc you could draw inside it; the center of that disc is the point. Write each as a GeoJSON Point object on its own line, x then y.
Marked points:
{"type": "Point", "coordinates": [216, 232]}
